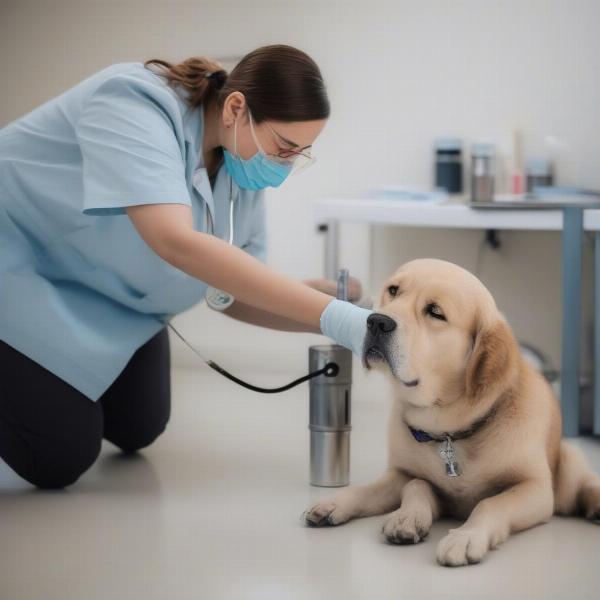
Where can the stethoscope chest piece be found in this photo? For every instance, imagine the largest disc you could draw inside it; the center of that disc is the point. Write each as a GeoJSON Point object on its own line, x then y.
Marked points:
{"type": "Point", "coordinates": [218, 299]}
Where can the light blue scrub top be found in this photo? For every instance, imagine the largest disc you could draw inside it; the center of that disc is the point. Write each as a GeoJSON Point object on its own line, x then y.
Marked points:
{"type": "Point", "coordinates": [80, 290]}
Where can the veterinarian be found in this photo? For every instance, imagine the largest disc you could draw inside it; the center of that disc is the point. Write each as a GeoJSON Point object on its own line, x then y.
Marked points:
{"type": "Point", "coordinates": [115, 216]}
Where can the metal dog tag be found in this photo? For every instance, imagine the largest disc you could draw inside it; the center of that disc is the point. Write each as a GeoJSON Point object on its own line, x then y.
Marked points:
{"type": "Point", "coordinates": [446, 450]}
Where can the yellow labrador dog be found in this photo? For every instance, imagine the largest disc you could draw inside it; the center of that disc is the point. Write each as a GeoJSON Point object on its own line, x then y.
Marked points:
{"type": "Point", "coordinates": [474, 430]}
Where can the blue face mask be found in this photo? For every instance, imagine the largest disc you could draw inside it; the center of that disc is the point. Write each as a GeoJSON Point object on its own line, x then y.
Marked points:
{"type": "Point", "coordinates": [257, 172]}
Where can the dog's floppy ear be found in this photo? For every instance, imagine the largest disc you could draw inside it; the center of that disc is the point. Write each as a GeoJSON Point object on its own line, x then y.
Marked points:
{"type": "Point", "coordinates": [493, 363]}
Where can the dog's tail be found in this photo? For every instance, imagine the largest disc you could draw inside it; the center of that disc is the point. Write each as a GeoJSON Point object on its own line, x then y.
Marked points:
{"type": "Point", "coordinates": [577, 486]}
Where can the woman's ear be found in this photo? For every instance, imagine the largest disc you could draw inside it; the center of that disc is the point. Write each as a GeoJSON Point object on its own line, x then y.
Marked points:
{"type": "Point", "coordinates": [233, 107]}
{"type": "Point", "coordinates": [494, 360]}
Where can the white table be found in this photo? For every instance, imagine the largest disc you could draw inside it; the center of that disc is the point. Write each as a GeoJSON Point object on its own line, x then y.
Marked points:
{"type": "Point", "coordinates": [571, 221]}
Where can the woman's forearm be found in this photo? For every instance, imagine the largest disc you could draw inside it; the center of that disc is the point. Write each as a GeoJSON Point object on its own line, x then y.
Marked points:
{"type": "Point", "coordinates": [255, 316]}
{"type": "Point", "coordinates": [251, 282]}
{"type": "Point", "coordinates": [329, 286]}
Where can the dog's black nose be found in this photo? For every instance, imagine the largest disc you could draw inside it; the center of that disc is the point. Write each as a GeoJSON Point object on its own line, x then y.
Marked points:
{"type": "Point", "coordinates": [379, 324]}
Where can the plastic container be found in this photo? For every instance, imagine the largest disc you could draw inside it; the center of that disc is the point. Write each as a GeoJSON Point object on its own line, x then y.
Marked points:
{"type": "Point", "coordinates": [448, 165]}
{"type": "Point", "coordinates": [539, 173]}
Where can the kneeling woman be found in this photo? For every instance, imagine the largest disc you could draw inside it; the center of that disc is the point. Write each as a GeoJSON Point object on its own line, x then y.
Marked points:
{"type": "Point", "coordinates": [114, 217]}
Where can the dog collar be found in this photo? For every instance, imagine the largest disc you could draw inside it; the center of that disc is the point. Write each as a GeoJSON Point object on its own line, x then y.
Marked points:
{"type": "Point", "coordinates": [423, 436]}
{"type": "Point", "coordinates": [446, 448]}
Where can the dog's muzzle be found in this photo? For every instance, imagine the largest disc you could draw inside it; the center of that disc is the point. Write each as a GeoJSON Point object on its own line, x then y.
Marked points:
{"type": "Point", "coordinates": [377, 339]}
{"type": "Point", "coordinates": [377, 344]}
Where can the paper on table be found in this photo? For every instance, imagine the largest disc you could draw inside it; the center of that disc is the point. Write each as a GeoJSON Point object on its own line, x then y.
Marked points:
{"type": "Point", "coordinates": [410, 193]}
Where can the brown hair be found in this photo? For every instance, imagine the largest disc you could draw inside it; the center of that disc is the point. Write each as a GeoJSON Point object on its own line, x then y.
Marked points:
{"type": "Point", "coordinates": [279, 82]}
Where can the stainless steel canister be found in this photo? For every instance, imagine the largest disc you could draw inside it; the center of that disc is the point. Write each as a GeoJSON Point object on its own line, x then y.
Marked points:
{"type": "Point", "coordinates": [330, 417]}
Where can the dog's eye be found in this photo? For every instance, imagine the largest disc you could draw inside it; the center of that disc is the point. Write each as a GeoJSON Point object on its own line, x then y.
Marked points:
{"type": "Point", "coordinates": [433, 310]}
{"type": "Point", "coordinates": [393, 290]}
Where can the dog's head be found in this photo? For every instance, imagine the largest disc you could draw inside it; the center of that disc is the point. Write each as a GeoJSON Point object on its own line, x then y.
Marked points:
{"type": "Point", "coordinates": [440, 335]}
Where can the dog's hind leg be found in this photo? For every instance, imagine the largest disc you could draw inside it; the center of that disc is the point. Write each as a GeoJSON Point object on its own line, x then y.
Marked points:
{"type": "Point", "coordinates": [379, 497]}
{"type": "Point", "coordinates": [577, 486]}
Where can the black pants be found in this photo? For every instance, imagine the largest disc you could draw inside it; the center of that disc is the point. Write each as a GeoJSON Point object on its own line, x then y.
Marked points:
{"type": "Point", "coordinates": [50, 433]}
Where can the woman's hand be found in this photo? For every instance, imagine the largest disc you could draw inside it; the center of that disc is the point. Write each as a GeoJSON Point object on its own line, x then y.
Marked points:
{"type": "Point", "coordinates": [346, 324]}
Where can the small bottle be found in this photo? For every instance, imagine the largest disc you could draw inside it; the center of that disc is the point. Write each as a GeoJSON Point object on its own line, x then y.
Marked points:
{"type": "Point", "coordinates": [517, 180]}
{"type": "Point", "coordinates": [448, 165]}
{"type": "Point", "coordinates": [539, 173]}
{"type": "Point", "coordinates": [482, 172]}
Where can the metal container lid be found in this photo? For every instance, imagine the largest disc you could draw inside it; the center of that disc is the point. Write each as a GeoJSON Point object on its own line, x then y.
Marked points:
{"type": "Point", "coordinates": [484, 149]}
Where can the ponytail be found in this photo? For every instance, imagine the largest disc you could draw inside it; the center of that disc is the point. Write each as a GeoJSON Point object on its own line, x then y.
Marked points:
{"type": "Point", "coordinates": [200, 77]}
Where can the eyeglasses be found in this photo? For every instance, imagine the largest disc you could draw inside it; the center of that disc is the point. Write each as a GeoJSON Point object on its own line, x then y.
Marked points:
{"type": "Point", "coordinates": [297, 159]}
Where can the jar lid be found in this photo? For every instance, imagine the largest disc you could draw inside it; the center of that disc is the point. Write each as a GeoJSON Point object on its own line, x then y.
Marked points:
{"type": "Point", "coordinates": [448, 144]}
{"type": "Point", "coordinates": [538, 166]}
{"type": "Point", "coordinates": [483, 149]}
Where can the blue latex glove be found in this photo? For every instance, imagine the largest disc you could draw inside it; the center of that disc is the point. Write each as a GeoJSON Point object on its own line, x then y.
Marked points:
{"type": "Point", "coordinates": [346, 324]}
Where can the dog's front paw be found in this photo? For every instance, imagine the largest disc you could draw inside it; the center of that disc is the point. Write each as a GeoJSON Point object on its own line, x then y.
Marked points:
{"type": "Point", "coordinates": [462, 547]}
{"type": "Point", "coordinates": [407, 527]}
{"type": "Point", "coordinates": [326, 512]}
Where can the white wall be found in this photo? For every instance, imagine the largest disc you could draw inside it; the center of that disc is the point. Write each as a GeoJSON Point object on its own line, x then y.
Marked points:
{"type": "Point", "coordinates": [399, 74]}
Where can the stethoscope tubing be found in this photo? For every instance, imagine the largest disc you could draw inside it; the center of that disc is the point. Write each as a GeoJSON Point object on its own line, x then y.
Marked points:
{"type": "Point", "coordinates": [329, 370]}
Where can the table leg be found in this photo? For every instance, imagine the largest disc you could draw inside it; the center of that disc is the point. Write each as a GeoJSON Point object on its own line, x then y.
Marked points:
{"type": "Point", "coordinates": [572, 235]}
{"type": "Point", "coordinates": [331, 250]}
{"type": "Point", "coordinates": [596, 370]}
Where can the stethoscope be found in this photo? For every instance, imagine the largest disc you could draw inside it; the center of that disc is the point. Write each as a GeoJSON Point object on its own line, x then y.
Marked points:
{"type": "Point", "coordinates": [215, 298]}
{"type": "Point", "coordinates": [220, 300]}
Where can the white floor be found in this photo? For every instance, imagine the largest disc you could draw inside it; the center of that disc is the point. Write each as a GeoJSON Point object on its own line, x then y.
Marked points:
{"type": "Point", "coordinates": [212, 511]}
